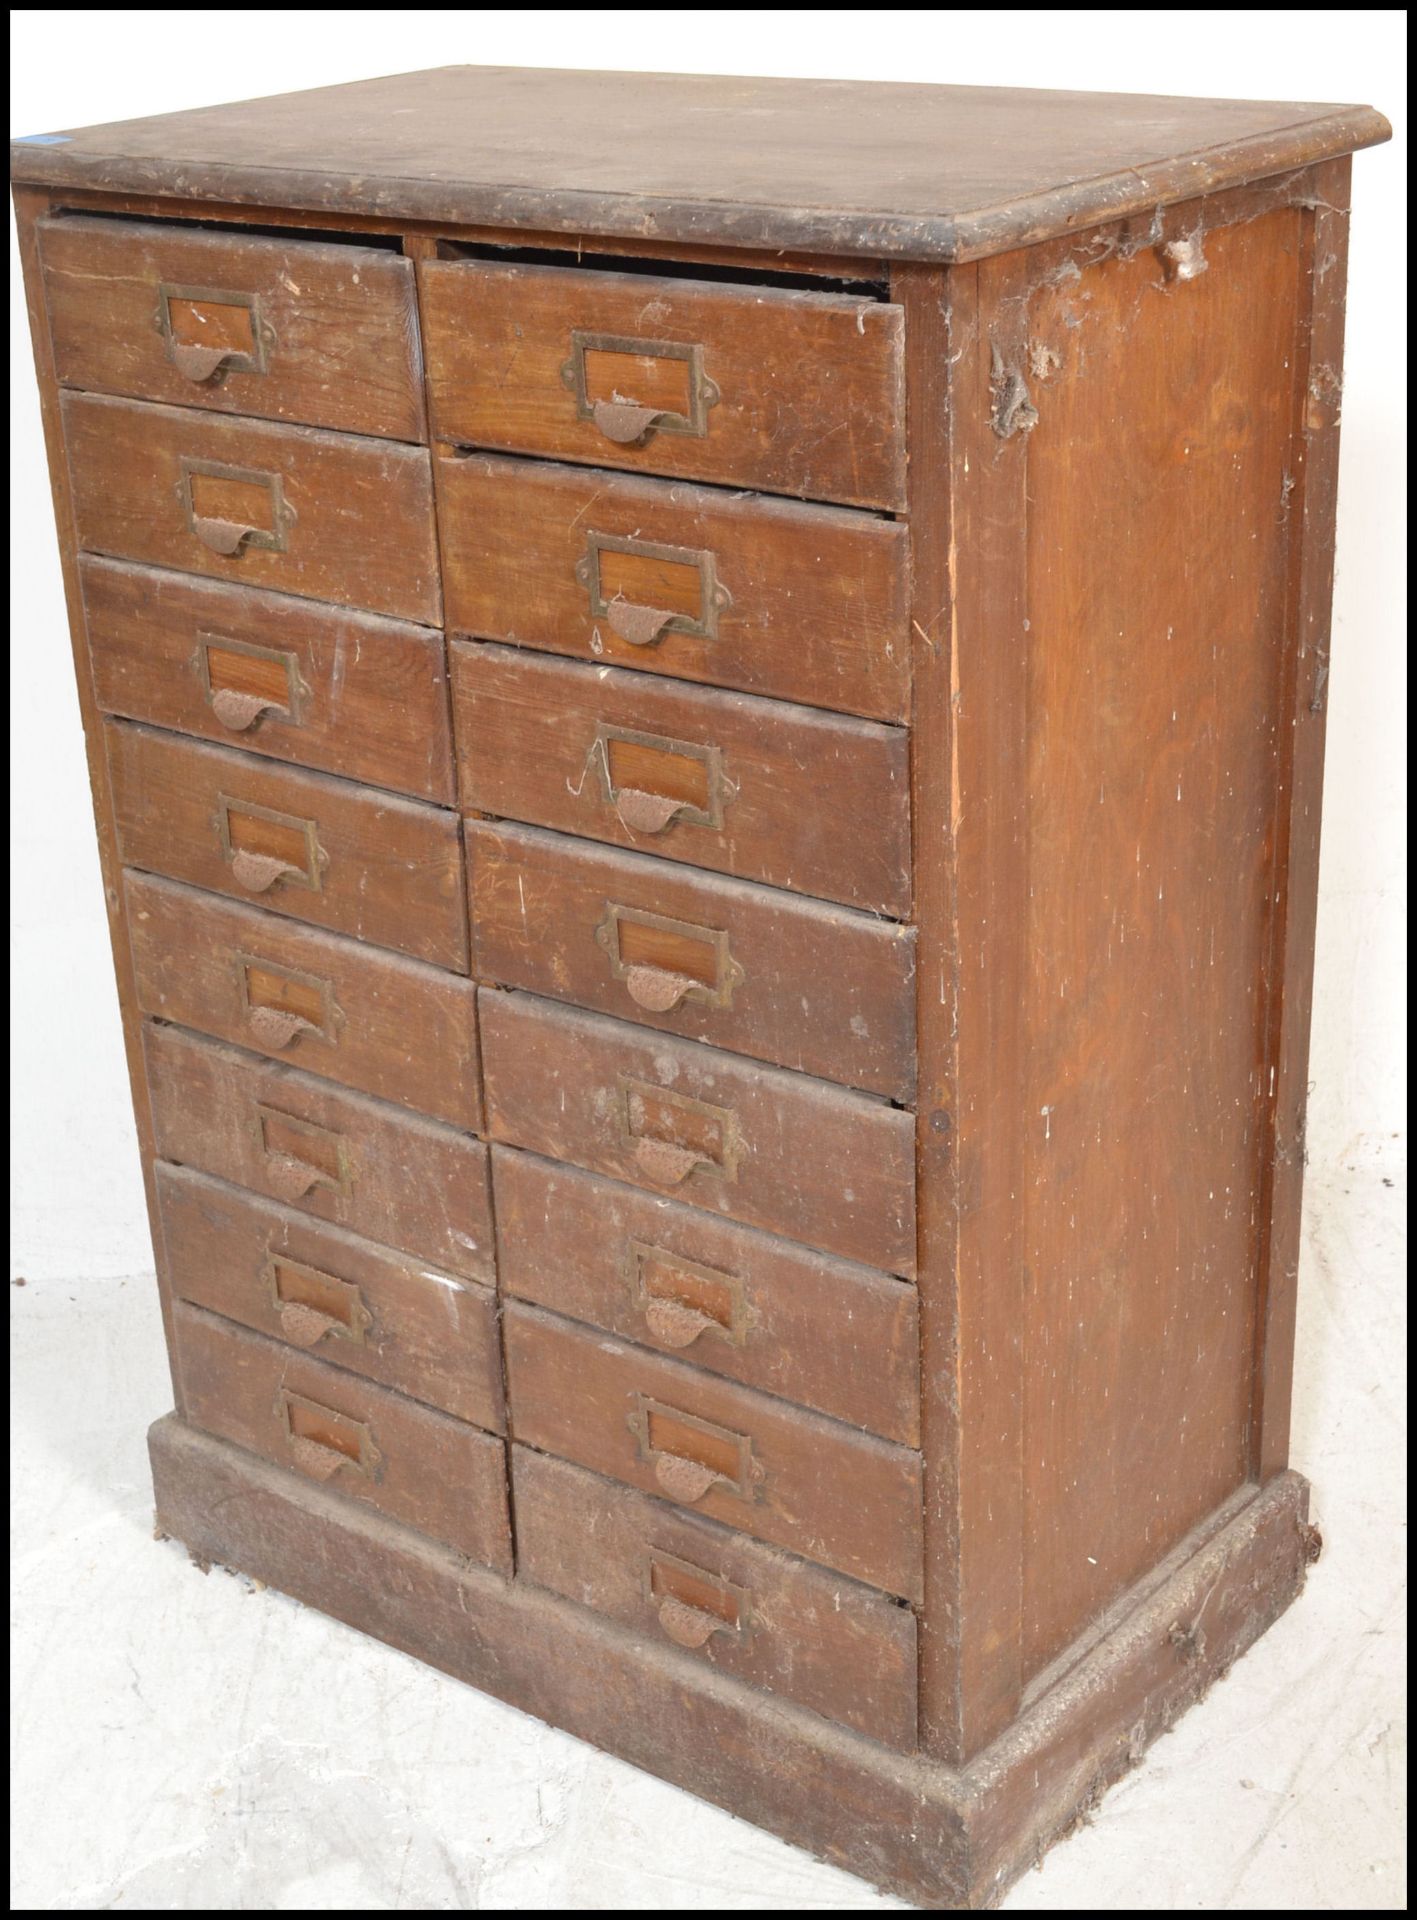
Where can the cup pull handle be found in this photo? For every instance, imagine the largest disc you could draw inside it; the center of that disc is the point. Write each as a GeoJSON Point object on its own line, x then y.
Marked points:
{"type": "Point", "coordinates": [225, 537]}
{"type": "Point", "coordinates": [306, 1326]}
{"type": "Point", "coordinates": [657, 990]}
{"type": "Point", "coordinates": [663, 1162]}
{"type": "Point", "coordinates": [637, 626]}
{"type": "Point", "coordinates": [673, 1324]}
{"type": "Point", "coordinates": [681, 1479]}
{"type": "Point", "coordinates": [688, 1626]}
{"type": "Point", "coordinates": [239, 712]}
{"type": "Point", "coordinates": [313, 1459]}
{"type": "Point", "coordinates": [645, 812]}
{"type": "Point", "coordinates": [624, 423]}
{"type": "Point", "coordinates": [273, 1029]}
{"type": "Point", "coordinates": [259, 872]}
{"type": "Point", "coordinates": [196, 363]}
{"type": "Point", "coordinates": [289, 1178]}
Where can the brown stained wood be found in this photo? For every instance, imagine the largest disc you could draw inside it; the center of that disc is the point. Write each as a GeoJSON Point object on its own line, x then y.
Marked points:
{"type": "Point", "coordinates": [325, 336]}
{"type": "Point", "coordinates": [927, 1833]}
{"type": "Point", "coordinates": [824, 1333]}
{"type": "Point", "coordinates": [830, 166]}
{"type": "Point", "coordinates": [361, 862]}
{"type": "Point", "coordinates": [327, 516]}
{"type": "Point", "coordinates": [342, 1299]}
{"type": "Point", "coordinates": [1155, 671]}
{"type": "Point", "coordinates": [758, 1145]}
{"type": "Point", "coordinates": [372, 1021]}
{"type": "Point", "coordinates": [756, 789]}
{"type": "Point", "coordinates": [785, 392]}
{"type": "Point", "coordinates": [740, 1607]}
{"type": "Point", "coordinates": [338, 691]}
{"type": "Point", "coordinates": [819, 989]}
{"type": "Point", "coordinates": [770, 597]}
{"type": "Point", "coordinates": [1311, 508]}
{"type": "Point", "coordinates": [407, 1183]}
{"type": "Point", "coordinates": [841, 1498]}
{"type": "Point", "coordinates": [364, 1443]}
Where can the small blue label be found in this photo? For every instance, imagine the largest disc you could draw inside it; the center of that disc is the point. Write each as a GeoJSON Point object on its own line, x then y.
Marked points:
{"type": "Point", "coordinates": [42, 140]}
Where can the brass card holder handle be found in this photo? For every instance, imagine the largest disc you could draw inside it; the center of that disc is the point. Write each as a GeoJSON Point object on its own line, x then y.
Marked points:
{"type": "Point", "coordinates": [322, 1440]}
{"type": "Point", "coordinates": [300, 863]}
{"type": "Point", "coordinates": [208, 363]}
{"type": "Point", "coordinates": [313, 1306]}
{"type": "Point", "coordinates": [639, 808]}
{"type": "Point", "coordinates": [692, 1457]}
{"type": "Point", "coordinates": [281, 1005]}
{"type": "Point", "coordinates": [658, 985]}
{"type": "Point", "coordinates": [648, 1116]}
{"type": "Point", "coordinates": [623, 420]}
{"type": "Point", "coordinates": [682, 1301]}
{"type": "Point", "coordinates": [244, 684]}
{"type": "Point", "coordinates": [223, 535]}
{"type": "Point", "coordinates": [645, 626]}
{"type": "Point", "coordinates": [717, 1606]}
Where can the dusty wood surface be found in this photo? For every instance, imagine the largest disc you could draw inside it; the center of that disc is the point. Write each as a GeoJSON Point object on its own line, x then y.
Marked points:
{"type": "Point", "coordinates": [327, 340]}
{"type": "Point", "coordinates": [405, 1182]}
{"type": "Point", "coordinates": [818, 803]}
{"type": "Point", "coordinates": [819, 989]}
{"type": "Point", "coordinates": [384, 869]}
{"type": "Point", "coordinates": [742, 1607]}
{"type": "Point", "coordinates": [801, 602]}
{"type": "Point", "coordinates": [339, 691]}
{"type": "Point", "coordinates": [372, 1021]}
{"type": "Point", "coordinates": [366, 1308]}
{"type": "Point", "coordinates": [830, 166]}
{"type": "Point", "coordinates": [936, 1835]}
{"type": "Point", "coordinates": [825, 1333]}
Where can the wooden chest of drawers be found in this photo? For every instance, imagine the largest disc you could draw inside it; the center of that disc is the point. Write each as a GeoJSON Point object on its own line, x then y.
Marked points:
{"type": "Point", "coordinates": [706, 704]}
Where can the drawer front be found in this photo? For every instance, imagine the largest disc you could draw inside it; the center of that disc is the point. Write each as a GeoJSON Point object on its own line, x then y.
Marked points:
{"type": "Point", "coordinates": [820, 989]}
{"type": "Point", "coordinates": [844, 1499]}
{"type": "Point", "coordinates": [344, 1300]}
{"type": "Point", "coordinates": [750, 788]}
{"type": "Point", "coordinates": [341, 692]}
{"type": "Point", "coordinates": [798, 393]}
{"type": "Point", "coordinates": [439, 1475]}
{"type": "Point", "coordinates": [372, 1021]}
{"type": "Point", "coordinates": [838, 1338]}
{"type": "Point", "coordinates": [833, 1169]}
{"type": "Point", "coordinates": [400, 1181]}
{"type": "Point", "coordinates": [280, 329]}
{"type": "Point", "coordinates": [843, 1650]}
{"type": "Point", "coordinates": [803, 603]}
{"type": "Point", "coordinates": [322, 515]}
{"type": "Point", "coordinates": [370, 864]}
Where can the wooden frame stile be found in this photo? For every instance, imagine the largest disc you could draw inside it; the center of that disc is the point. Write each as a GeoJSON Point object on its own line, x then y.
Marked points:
{"type": "Point", "coordinates": [31, 205]}
{"type": "Point", "coordinates": [1313, 507]}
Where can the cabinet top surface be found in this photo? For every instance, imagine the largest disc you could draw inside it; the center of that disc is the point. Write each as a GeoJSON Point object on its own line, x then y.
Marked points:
{"type": "Point", "coordinates": [837, 167]}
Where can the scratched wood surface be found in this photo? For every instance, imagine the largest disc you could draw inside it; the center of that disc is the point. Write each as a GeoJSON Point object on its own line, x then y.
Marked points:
{"type": "Point", "coordinates": [366, 1308]}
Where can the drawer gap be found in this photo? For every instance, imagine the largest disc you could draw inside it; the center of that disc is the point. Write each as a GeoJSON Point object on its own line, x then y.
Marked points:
{"type": "Point", "coordinates": [863, 289]}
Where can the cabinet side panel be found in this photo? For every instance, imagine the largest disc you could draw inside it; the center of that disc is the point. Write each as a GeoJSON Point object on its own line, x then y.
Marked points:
{"type": "Point", "coordinates": [1158, 552]}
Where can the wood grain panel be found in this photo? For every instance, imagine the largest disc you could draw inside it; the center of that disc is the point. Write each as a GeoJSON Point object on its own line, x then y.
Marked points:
{"type": "Point", "coordinates": [322, 335]}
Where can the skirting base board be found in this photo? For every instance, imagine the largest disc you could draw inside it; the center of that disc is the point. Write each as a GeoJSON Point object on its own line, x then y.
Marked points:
{"type": "Point", "coordinates": [935, 1835]}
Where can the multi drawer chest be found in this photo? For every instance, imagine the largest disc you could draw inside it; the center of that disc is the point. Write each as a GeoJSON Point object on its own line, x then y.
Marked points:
{"type": "Point", "coordinates": [705, 702]}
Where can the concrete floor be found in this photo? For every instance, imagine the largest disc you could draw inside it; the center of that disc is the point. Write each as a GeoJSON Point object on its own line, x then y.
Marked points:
{"type": "Point", "coordinates": [189, 1743]}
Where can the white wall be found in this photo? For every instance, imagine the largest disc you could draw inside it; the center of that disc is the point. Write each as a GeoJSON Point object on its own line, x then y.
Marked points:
{"type": "Point", "coordinates": [77, 1196]}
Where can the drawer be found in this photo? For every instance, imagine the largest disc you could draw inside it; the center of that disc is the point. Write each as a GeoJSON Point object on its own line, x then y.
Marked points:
{"type": "Point", "coordinates": [370, 1020]}
{"type": "Point", "coordinates": [833, 1169]}
{"type": "Point", "coordinates": [419, 1467]}
{"type": "Point", "coordinates": [803, 603]}
{"type": "Point", "coordinates": [752, 386]}
{"type": "Point", "coordinates": [370, 864]}
{"type": "Point", "coordinates": [752, 788]}
{"type": "Point", "coordinates": [404, 1182]}
{"type": "Point", "coordinates": [355, 1305]}
{"type": "Point", "coordinates": [838, 1338]}
{"type": "Point", "coordinates": [842, 1650]}
{"type": "Point", "coordinates": [322, 515]}
{"type": "Point", "coordinates": [842, 1498]}
{"type": "Point", "coordinates": [818, 988]}
{"type": "Point", "coordinates": [286, 329]}
{"type": "Point", "coordinates": [341, 692]}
